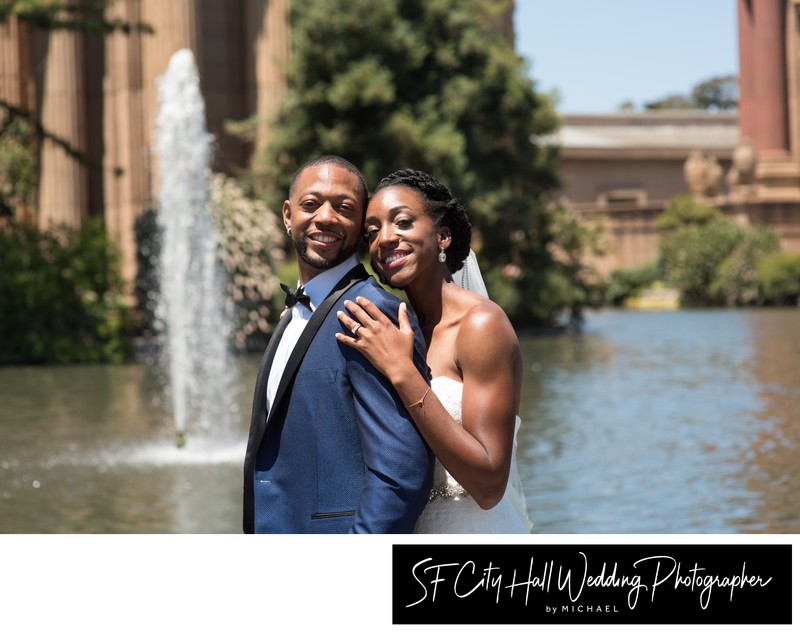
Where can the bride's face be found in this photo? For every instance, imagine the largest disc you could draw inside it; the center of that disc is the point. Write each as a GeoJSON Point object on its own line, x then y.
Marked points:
{"type": "Point", "coordinates": [403, 241]}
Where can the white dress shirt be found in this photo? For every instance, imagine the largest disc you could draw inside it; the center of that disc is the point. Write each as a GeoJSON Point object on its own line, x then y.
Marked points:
{"type": "Point", "coordinates": [317, 289]}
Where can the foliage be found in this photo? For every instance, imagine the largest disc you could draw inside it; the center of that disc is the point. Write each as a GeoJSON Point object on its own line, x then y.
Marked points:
{"type": "Point", "coordinates": [720, 93]}
{"type": "Point", "coordinates": [684, 210]}
{"type": "Point", "coordinates": [434, 85]}
{"type": "Point", "coordinates": [715, 93]}
{"type": "Point", "coordinates": [671, 102]}
{"type": "Point", "coordinates": [779, 278]}
{"type": "Point", "coordinates": [17, 165]}
{"type": "Point", "coordinates": [623, 284]}
{"type": "Point", "coordinates": [60, 296]}
{"type": "Point", "coordinates": [250, 250]}
{"type": "Point", "coordinates": [691, 256]}
{"type": "Point", "coordinates": [84, 15]}
{"type": "Point", "coordinates": [146, 288]}
{"type": "Point", "coordinates": [736, 281]}
{"type": "Point", "coordinates": [710, 259]}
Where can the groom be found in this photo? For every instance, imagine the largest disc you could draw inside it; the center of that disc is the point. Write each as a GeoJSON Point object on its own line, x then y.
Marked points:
{"type": "Point", "coordinates": [331, 447]}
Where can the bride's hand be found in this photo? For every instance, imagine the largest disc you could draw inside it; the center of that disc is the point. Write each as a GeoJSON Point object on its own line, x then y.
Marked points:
{"type": "Point", "coordinates": [374, 335]}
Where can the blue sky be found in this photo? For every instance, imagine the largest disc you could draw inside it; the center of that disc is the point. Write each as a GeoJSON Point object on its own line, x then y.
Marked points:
{"type": "Point", "coordinates": [600, 53]}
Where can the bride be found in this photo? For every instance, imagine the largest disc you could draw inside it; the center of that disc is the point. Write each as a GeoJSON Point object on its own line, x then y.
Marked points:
{"type": "Point", "coordinates": [419, 236]}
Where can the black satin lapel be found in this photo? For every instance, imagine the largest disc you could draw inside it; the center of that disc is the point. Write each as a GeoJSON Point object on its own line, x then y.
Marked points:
{"type": "Point", "coordinates": [355, 275]}
{"type": "Point", "coordinates": [259, 413]}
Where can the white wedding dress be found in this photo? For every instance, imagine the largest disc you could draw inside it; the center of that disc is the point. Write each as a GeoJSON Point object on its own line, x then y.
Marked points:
{"type": "Point", "coordinates": [450, 508]}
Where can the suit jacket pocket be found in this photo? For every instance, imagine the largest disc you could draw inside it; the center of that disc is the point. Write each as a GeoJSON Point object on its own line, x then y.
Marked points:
{"type": "Point", "coordinates": [333, 441]}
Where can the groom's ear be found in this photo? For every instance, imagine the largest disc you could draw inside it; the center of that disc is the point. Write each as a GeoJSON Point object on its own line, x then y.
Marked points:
{"type": "Point", "coordinates": [286, 211]}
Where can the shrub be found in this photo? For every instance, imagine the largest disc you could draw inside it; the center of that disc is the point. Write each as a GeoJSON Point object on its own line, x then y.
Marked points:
{"type": "Point", "coordinates": [779, 277]}
{"type": "Point", "coordinates": [692, 255]}
{"type": "Point", "coordinates": [684, 210]}
{"type": "Point", "coordinates": [146, 285]}
{"type": "Point", "coordinates": [736, 281]}
{"type": "Point", "coordinates": [60, 296]}
{"type": "Point", "coordinates": [625, 283]}
{"type": "Point", "coordinates": [250, 249]}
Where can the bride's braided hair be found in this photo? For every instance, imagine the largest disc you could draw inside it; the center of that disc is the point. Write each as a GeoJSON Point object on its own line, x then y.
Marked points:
{"type": "Point", "coordinates": [442, 206]}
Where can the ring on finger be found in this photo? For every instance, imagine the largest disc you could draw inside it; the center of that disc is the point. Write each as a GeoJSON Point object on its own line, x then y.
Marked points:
{"type": "Point", "coordinates": [354, 330]}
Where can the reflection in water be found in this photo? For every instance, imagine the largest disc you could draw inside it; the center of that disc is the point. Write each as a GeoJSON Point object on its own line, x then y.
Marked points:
{"type": "Point", "coordinates": [644, 423]}
{"type": "Point", "coordinates": [674, 422]}
{"type": "Point", "coordinates": [774, 457]}
{"type": "Point", "coordinates": [90, 449]}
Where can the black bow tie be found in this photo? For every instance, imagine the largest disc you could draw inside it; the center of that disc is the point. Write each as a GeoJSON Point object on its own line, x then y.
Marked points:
{"type": "Point", "coordinates": [296, 296]}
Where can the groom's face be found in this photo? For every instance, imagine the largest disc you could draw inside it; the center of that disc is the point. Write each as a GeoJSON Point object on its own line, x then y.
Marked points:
{"type": "Point", "coordinates": [324, 212]}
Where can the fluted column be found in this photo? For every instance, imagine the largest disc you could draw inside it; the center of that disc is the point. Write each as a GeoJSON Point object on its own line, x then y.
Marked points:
{"type": "Point", "coordinates": [176, 26]}
{"type": "Point", "coordinates": [269, 37]}
{"type": "Point", "coordinates": [763, 75]}
{"type": "Point", "coordinates": [63, 187]}
{"type": "Point", "coordinates": [747, 95]}
{"type": "Point", "coordinates": [10, 79]}
{"type": "Point", "coordinates": [125, 143]}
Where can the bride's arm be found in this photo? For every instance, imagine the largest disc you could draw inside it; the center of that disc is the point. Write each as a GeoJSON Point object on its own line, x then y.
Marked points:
{"type": "Point", "coordinates": [478, 452]}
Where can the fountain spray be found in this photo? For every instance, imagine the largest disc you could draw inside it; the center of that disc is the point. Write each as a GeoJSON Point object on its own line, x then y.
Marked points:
{"type": "Point", "coordinates": [191, 311]}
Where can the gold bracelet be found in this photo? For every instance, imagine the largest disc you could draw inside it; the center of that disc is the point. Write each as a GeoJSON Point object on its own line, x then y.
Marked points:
{"type": "Point", "coordinates": [421, 402]}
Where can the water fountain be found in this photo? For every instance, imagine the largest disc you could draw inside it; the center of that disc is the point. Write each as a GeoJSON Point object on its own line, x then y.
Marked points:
{"type": "Point", "coordinates": [191, 311]}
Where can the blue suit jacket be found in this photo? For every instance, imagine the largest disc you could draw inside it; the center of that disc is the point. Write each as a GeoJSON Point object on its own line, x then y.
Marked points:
{"type": "Point", "coordinates": [338, 452]}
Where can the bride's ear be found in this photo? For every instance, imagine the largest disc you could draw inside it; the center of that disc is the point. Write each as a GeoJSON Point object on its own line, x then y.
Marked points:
{"type": "Point", "coordinates": [444, 237]}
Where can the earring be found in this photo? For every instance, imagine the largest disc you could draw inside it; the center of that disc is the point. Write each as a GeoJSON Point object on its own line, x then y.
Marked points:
{"type": "Point", "coordinates": [289, 232]}
{"type": "Point", "coordinates": [442, 256]}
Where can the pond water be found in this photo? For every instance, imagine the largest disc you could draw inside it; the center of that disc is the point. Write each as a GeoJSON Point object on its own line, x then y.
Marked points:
{"type": "Point", "coordinates": [647, 422]}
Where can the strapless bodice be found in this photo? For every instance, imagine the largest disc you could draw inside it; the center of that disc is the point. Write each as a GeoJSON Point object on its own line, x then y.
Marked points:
{"type": "Point", "coordinates": [450, 508]}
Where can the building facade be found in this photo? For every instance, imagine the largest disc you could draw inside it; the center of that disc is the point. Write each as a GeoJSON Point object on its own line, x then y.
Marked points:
{"type": "Point", "coordinates": [98, 93]}
{"type": "Point", "coordinates": [624, 167]}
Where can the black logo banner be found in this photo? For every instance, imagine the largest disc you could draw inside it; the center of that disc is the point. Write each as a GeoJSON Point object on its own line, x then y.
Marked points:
{"type": "Point", "coordinates": [593, 583]}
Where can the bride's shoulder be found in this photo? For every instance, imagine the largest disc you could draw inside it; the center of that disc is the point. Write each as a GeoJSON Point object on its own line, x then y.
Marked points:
{"type": "Point", "coordinates": [480, 311]}
{"type": "Point", "coordinates": [485, 323]}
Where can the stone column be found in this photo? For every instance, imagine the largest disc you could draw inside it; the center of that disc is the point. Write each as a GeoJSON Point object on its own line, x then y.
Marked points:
{"type": "Point", "coordinates": [126, 146]}
{"type": "Point", "coordinates": [176, 26]}
{"type": "Point", "coordinates": [763, 75]}
{"type": "Point", "coordinates": [63, 185]}
{"type": "Point", "coordinates": [222, 79]}
{"type": "Point", "coordinates": [268, 38]}
{"type": "Point", "coordinates": [10, 72]}
{"type": "Point", "coordinates": [793, 74]}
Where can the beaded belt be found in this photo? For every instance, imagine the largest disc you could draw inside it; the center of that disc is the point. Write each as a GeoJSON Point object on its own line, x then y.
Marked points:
{"type": "Point", "coordinates": [447, 491]}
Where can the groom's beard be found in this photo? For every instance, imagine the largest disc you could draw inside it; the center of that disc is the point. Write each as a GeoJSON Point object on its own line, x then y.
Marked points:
{"type": "Point", "coordinates": [316, 261]}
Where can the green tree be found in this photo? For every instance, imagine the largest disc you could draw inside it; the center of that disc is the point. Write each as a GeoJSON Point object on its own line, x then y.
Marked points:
{"type": "Point", "coordinates": [737, 281]}
{"type": "Point", "coordinates": [710, 259]}
{"type": "Point", "coordinates": [715, 93]}
{"type": "Point", "coordinates": [779, 278]}
{"type": "Point", "coordinates": [433, 85]}
{"type": "Point", "coordinates": [692, 255]}
{"type": "Point", "coordinates": [671, 102]}
{"type": "Point", "coordinates": [684, 210]}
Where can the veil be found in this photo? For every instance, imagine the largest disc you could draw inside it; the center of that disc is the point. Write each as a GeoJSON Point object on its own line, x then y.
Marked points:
{"type": "Point", "coordinates": [470, 278]}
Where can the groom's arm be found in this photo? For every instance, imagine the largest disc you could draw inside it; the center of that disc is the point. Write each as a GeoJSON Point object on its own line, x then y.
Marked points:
{"type": "Point", "coordinates": [399, 463]}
